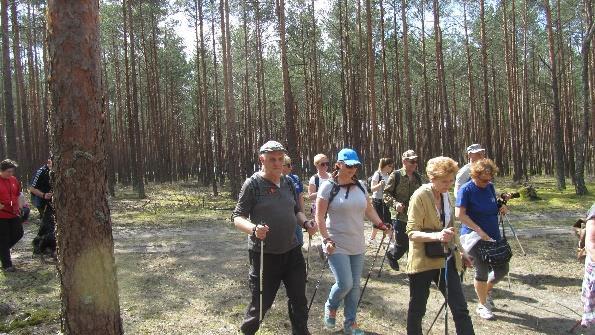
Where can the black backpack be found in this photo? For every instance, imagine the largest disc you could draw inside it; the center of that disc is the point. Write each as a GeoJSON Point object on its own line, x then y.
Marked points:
{"type": "Point", "coordinates": [398, 178]}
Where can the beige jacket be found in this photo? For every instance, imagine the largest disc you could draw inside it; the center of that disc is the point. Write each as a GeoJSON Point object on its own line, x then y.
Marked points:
{"type": "Point", "coordinates": [424, 217]}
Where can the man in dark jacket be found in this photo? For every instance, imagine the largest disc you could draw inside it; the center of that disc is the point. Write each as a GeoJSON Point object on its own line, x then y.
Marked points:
{"type": "Point", "coordinates": [268, 211]}
{"type": "Point", "coordinates": [41, 195]}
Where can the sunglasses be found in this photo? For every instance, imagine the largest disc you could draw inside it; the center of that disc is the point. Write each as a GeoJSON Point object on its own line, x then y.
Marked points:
{"type": "Point", "coordinates": [325, 164]}
{"type": "Point", "coordinates": [413, 161]}
{"type": "Point", "coordinates": [354, 166]}
{"type": "Point", "coordinates": [288, 165]}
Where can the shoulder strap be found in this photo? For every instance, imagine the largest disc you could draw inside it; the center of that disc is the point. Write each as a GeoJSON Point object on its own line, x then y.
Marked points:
{"type": "Point", "coordinates": [397, 178]}
{"type": "Point", "coordinates": [334, 191]}
{"type": "Point", "coordinates": [317, 181]}
{"type": "Point", "coordinates": [418, 177]}
{"type": "Point", "coordinates": [361, 187]}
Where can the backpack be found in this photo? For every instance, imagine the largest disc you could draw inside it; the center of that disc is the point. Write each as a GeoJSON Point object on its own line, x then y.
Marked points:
{"type": "Point", "coordinates": [369, 182]}
{"type": "Point", "coordinates": [336, 188]}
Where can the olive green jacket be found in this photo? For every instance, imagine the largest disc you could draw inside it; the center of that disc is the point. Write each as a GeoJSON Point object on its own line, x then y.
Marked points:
{"type": "Point", "coordinates": [401, 192]}
{"type": "Point", "coordinates": [424, 217]}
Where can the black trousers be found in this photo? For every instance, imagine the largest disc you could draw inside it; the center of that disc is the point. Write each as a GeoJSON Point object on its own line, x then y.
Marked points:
{"type": "Point", "coordinates": [11, 231]}
{"type": "Point", "coordinates": [289, 268]}
{"type": "Point", "coordinates": [401, 239]}
{"type": "Point", "coordinates": [46, 236]}
{"type": "Point", "coordinates": [419, 291]}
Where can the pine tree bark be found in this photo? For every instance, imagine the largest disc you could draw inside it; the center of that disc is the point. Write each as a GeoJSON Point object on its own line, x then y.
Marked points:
{"type": "Point", "coordinates": [485, 80]}
{"type": "Point", "coordinates": [407, 79]}
{"type": "Point", "coordinates": [86, 265]}
{"type": "Point", "coordinates": [289, 105]}
{"type": "Point", "coordinates": [581, 148]}
{"type": "Point", "coordinates": [556, 118]}
{"type": "Point", "coordinates": [10, 125]}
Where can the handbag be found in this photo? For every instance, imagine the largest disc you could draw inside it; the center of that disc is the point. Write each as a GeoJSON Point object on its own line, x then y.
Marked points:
{"type": "Point", "coordinates": [435, 250]}
{"type": "Point", "coordinates": [495, 253]}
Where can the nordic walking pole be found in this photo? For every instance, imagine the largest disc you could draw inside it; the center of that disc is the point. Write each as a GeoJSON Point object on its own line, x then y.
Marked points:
{"type": "Point", "coordinates": [261, 279]}
{"type": "Point", "coordinates": [515, 236]}
{"type": "Point", "coordinates": [387, 246]}
{"type": "Point", "coordinates": [446, 295]}
{"type": "Point", "coordinates": [308, 256]}
{"type": "Point", "coordinates": [324, 266]}
{"type": "Point", "coordinates": [436, 318]}
{"type": "Point", "coordinates": [371, 268]}
{"type": "Point", "coordinates": [390, 239]}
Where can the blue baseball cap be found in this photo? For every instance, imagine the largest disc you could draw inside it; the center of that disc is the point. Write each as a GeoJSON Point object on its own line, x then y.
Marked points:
{"type": "Point", "coordinates": [348, 156]}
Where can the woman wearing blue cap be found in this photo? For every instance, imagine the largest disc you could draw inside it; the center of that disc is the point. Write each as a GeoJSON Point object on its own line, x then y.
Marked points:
{"type": "Point", "coordinates": [346, 202]}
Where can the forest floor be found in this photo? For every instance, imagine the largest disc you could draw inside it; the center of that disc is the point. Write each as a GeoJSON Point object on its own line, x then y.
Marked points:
{"type": "Point", "coordinates": [183, 268]}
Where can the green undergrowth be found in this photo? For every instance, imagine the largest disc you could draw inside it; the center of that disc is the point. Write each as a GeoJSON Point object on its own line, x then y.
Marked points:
{"type": "Point", "coordinates": [552, 200]}
{"type": "Point", "coordinates": [170, 204]}
{"type": "Point", "coordinates": [30, 318]}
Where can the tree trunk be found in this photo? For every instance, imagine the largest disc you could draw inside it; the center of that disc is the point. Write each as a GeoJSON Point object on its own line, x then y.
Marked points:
{"type": "Point", "coordinates": [580, 186]}
{"type": "Point", "coordinates": [10, 126]}
{"type": "Point", "coordinates": [407, 79]}
{"type": "Point", "coordinates": [558, 136]}
{"type": "Point", "coordinates": [86, 266]}
{"type": "Point", "coordinates": [485, 79]}
{"type": "Point", "coordinates": [289, 106]}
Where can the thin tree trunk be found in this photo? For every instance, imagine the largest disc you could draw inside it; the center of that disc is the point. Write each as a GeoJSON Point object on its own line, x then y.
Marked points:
{"type": "Point", "coordinates": [557, 127]}
{"type": "Point", "coordinates": [10, 125]}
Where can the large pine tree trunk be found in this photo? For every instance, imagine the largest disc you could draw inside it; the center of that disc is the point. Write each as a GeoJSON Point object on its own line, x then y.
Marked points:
{"type": "Point", "coordinates": [556, 118]}
{"type": "Point", "coordinates": [86, 264]}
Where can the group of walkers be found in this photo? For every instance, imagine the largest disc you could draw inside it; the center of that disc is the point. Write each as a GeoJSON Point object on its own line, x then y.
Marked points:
{"type": "Point", "coordinates": [14, 211]}
{"type": "Point", "coordinates": [271, 211]}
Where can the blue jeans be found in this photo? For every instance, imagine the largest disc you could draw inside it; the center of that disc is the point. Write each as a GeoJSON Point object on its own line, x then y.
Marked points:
{"type": "Point", "coordinates": [347, 270]}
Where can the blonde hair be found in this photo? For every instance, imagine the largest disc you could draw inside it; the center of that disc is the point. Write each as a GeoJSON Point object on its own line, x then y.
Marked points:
{"type": "Point", "coordinates": [484, 165]}
{"type": "Point", "coordinates": [319, 158]}
{"type": "Point", "coordinates": [287, 160]}
{"type": "Point", "coordinates": [384, 162]}
{"type": "Point", "coordinates": [439, 167]}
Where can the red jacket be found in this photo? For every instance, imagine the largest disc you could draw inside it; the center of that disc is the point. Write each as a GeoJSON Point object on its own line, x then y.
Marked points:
{"type": "Point", "coordinates": [10, 188]}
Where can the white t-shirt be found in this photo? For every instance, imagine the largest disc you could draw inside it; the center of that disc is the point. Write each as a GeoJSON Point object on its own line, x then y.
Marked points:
{"type": "Point", "coordinates": [345, 219]}
{"type": "Point", "coordinates": [322, 180]}
{"type": "Point", "coordinates": [378, 176]}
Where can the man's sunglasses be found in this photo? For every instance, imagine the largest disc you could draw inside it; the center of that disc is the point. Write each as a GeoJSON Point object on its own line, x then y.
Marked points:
{"type": "Point", "coordinates": [412, 161]}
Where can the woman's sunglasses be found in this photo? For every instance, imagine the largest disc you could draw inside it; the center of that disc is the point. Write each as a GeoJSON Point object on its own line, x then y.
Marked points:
{"type": "Point", "coordinates": [325, 164]}
{"type": "Point", "coordinates": [354, 166]}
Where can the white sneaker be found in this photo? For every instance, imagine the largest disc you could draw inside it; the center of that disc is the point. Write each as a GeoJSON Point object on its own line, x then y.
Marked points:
{"type": "Point", "coordinates": [484, 312]}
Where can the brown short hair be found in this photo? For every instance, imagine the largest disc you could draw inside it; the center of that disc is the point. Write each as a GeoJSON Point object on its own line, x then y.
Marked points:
{"type": "Point", "coordinates": [8, 164]}
{"type": "Point", "coordinates": [384, 162]}
{"type": "Point", "coordinates": [484, 165]}
{"type": "Point", "coordinates": [439, 167]}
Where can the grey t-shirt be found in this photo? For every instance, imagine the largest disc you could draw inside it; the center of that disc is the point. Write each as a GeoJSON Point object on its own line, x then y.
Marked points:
{"type": "Point", "coordinates": [345, 220]}
{"type": "Point", "coordinates": [263, 202]}
{"type": "Point", "coordinates": [463, 176]}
